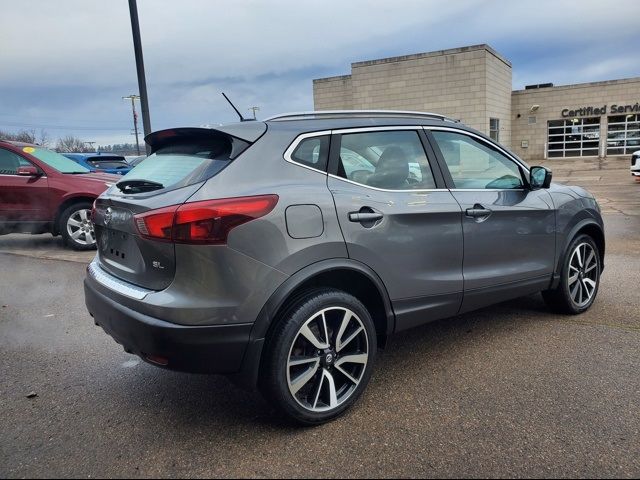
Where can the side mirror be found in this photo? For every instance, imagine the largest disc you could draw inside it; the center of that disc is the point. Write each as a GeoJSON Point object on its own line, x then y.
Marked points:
{"type": "Point", "coordinates": [539, 177]}
{"type": "Point", "coordinates": [28, 171]}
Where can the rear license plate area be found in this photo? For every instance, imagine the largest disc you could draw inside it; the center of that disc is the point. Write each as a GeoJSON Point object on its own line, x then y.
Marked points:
{"type": "Point", "coordinates": [115, 245]}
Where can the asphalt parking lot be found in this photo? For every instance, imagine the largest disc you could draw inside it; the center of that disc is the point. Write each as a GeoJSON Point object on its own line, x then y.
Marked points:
{"type": "Point", "coordinates": [511, 390]}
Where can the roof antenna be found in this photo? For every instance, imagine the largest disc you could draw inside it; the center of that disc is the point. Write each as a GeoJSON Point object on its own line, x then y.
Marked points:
{"type": "Point", "coordinates": [242, 119]}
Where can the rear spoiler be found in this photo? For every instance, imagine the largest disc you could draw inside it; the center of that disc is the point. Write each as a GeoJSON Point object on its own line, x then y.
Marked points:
{"type": "Point", "coordinates": [247, 132]}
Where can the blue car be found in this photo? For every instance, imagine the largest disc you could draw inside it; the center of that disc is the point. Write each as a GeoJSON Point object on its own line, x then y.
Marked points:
{"type": "Point", "coordinates": [101, 162]}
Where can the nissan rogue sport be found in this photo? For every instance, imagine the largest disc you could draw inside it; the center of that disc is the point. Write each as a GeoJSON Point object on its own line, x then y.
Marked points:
{"type": "Point", "coordinates": [283, 253]}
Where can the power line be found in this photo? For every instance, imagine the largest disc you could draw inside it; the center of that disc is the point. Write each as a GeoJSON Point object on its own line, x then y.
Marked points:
{"type": "Point", "coordinates": [60, 127]}
{"type": "Point", "coordinates": [46, 118]}
{"type": "Point", "coordinates": [133, 99]}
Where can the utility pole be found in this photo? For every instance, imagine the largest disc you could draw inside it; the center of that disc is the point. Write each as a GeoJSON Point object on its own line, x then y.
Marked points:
{"type": "Point", "coordinates": [255, 109]}
{"type": "Point", "coordinates": [142, 81]}
{"type": "Point", "coordinates": [135, 117]}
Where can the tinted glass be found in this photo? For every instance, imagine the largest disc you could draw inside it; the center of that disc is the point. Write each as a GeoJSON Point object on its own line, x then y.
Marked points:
{"type": "Point", "coordinates": [474, 164]}
{"type": "Point", "coordinates": [108, 163]}
{"type": "Point", "coordinates": [184, 163]}
{"type": "Point", "coordinates": [393, 160]}
{"type": "Point", "coordinates": [57, 161]}
{"type": "Point", "coordinates": [312, 152]}
{"type": "Point", "coordinates": [9, 162]}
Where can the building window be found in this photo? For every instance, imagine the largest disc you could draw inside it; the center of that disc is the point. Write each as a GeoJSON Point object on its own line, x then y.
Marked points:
{"type": "Point", "coordinates": [494, 129]}
{"type": "Point", "coordinates": [577, 137]}
{"type": "Point", "coordinates": [623, 135]}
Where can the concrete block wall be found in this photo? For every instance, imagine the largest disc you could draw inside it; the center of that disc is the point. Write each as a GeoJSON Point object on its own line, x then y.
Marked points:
{"type": "Point", "coordinates": [333, 93]}
{"type": "Point", "coordinates": [464, 83]}
{"type": "Point", "coordinates": [499, 85]}
{"type": "Point", "coordinates": [553, 100]}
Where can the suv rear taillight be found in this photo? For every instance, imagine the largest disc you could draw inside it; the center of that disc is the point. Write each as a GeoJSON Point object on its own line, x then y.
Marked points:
{"type": "Point", "coordinates": [207, 222]}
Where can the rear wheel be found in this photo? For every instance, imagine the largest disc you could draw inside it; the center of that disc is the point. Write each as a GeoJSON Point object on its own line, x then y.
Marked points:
{"type": "Point", "coordinates": [76, 227]}
{"type": "Point", "coordinates": [319, 357]}
{"type": "Point", "coordinates": [580, 278]}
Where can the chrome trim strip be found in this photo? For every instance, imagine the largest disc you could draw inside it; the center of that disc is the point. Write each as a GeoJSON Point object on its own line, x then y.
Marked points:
{"type": "Point", "coordinates": [482, 139]}
{"type": "Point", "coordinates": [342, 131]}
{"type": "Point", "coordinates": [421, 190]}
{"type": "Point", "coordinates": [22, 176]}
{"type": "Point", "coordinates": [113, 283]}
{"type": "Point", "coordinates": [289, 151]}
{"type": "Point", "coordinates": [488, 190]}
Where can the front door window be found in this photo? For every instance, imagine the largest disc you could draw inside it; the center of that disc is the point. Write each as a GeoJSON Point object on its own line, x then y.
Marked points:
{"type": "Point", "coordinates": [475, 165]}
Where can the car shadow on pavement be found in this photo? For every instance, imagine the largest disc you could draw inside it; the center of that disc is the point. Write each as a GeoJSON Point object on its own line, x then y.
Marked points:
{"type": "Point", "coordinates": [215, 404]}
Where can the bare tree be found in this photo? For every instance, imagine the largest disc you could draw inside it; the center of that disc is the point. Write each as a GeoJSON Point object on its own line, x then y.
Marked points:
{"type": "Point", "coordinates": [44, 139]}
{"type": "Point", "coordinates": [26, 136]}
{"type": "Point", "coordinates": [70, 144]}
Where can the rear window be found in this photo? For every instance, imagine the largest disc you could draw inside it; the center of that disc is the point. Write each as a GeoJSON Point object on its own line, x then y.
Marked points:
{"type": "Point", "coordinates": [187, 161]}
{"type": "Point", "coordinates": [107, 163]}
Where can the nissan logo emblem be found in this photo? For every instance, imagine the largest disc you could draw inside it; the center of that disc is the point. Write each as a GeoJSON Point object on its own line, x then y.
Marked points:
{"type": "Point", "coordinates": [107, 215]}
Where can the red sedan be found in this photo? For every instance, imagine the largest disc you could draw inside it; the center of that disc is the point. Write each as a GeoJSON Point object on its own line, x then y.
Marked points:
{"type": "Point", "coordinates": [42, 191]}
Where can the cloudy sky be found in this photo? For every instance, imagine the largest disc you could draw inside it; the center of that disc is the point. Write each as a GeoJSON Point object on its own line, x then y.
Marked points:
{"type": "Point", "coordinates": [65, 64]}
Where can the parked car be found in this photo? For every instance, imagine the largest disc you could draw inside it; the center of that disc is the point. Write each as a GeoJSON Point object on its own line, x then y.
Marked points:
{"type": "Point", "coordinates": [635, 164]}
{"type": "Point", "coordinates": [253, 250]}
{"type": "Point", "coordinates": [42, 191]}
{"type": "Point", "coordinates": [101, 162]}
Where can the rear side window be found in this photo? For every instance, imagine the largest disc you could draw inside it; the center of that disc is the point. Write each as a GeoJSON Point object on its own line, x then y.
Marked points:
{"type": "Point", "coordinates": [390, 160]}
{"type": "Point", "coordinates": [186, 161]}
{"type": "Point", "coordinates": [312, 152]}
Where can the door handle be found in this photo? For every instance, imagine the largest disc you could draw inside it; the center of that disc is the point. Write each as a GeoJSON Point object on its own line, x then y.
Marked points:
{"type": "Point", "coordinates": [361, 217]}
{"type": "Point", "coordinates": [478, 211]}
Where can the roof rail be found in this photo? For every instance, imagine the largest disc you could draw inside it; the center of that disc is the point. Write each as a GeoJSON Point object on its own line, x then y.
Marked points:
{"type": "Point", "coordinates": [359, 113]}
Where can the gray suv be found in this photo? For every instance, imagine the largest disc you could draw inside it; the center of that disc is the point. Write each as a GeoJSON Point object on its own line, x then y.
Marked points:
{"type": "Point", "coordinates": [284, 253]}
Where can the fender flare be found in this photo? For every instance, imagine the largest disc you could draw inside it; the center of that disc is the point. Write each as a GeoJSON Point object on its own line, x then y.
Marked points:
{"type": "Point", "coordinates": [283, 292]}
{"type": "Point", "coordinates": [568, 239]}
{"type": "Point", "coordinates": [248, 375]}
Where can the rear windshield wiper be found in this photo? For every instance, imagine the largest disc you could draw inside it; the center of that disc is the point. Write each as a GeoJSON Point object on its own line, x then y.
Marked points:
{"type": "Point", "coordinates": [137, 186]}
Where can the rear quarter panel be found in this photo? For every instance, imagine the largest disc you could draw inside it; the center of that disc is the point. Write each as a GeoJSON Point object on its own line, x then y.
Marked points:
{"type": "Point", "coordinates": [265, 244]}
{"type": "Point", "coordinates": [262, 170]}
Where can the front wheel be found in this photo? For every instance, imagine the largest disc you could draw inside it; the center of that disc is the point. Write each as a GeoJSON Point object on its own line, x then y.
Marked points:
{"type": "Point", "coordinates": [76, 227]}
{"type": "Point", "coordinates": [580, 278]}
{"type": "Point", "coordinates": [319, 357]}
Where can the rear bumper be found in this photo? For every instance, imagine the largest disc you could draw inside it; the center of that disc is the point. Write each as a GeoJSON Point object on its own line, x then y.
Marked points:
{"type": "Point", "coordinates": [195, 349]}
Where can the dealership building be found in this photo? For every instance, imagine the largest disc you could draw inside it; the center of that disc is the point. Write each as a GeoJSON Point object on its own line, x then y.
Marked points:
{"type": "Point", "coordinates": [474, 84]}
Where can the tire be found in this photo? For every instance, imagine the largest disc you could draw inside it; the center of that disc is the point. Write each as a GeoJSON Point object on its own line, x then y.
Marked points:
{"type": "Point", "coordinates": [579, 279]}
{"type": "Point", "coordinates": [77, 218]}
{"type": "Point", "coordinates": [318, 389]}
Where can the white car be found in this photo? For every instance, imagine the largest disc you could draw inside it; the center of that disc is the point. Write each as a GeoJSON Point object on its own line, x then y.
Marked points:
{"type": "Point", "coordinates": [635, 164]}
